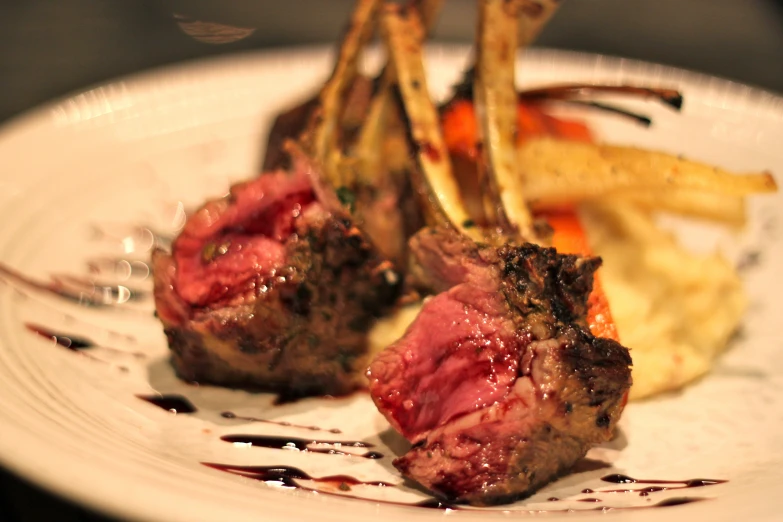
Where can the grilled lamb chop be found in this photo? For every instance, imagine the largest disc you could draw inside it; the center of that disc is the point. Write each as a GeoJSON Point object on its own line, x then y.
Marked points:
{"type": "Point", "coordinates": [498, 383]}
{"type": "Point", "coordinates": [275, 287]}
{"type": "Point", "coordinates": [270, 288]}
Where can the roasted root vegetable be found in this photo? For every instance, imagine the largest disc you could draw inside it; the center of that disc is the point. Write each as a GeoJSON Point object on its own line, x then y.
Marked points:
{"type": "Point", "coordinates": [558, 165]}
{"type": "Point", "coordinates": [558, 172]}
{"type": "Point", "coordinates": [459, 123]}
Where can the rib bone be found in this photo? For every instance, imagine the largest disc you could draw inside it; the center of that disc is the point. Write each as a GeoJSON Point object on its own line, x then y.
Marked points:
{"type": "Point", "coordinates": [322, 134]}
{"type": "Point", "coordinates": [495, 98]}
{"type": "Point", "coordinates": [402, 31]}
{"type": "Point", "coordinates": [368, 148]}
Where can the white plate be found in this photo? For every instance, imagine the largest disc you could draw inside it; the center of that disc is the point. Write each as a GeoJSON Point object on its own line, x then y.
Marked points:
{"type": "Point", "coordinates": [136, 151]}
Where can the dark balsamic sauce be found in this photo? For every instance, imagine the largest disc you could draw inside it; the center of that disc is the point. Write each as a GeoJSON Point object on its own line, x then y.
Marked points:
{"type": "Point", "coordinates": [643, 492]}
{"type": "Point", "coordinates": [68, 341]}
{"type": "Point", "coordinates": [678, 501]}
{"type": "Point", "coordinates": [304, 445]}
{"type": "Point", "coordinates": [73, 342]}
{"type": "Point", "coordinates": [674, 501]}
{"type": "Point", "coordinates": [690, 483]}
{"type": "Point", "coordinates": [286, 476]}
{"type": "Point", "coordinates": [172, 403]}
{"type": "Point", "coordinates": [232, 415]}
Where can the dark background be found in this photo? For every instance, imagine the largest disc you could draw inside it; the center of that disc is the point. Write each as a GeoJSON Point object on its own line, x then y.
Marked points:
{"type": "Point", "coordinates": [49, 48]}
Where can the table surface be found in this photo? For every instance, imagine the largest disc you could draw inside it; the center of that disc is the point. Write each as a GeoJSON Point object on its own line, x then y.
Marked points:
{"type": "Point", "coordinates": [49, 49]}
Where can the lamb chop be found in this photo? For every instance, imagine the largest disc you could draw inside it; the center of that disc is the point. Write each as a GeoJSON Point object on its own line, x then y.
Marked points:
{"type": "Point", "coordinates": [274, 286]}
{"type": "Point", "coordinates": [499, 383]}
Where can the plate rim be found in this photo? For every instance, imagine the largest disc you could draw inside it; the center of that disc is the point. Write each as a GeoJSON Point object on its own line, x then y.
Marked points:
{"type": "Point", "coordinates": [759, 94]}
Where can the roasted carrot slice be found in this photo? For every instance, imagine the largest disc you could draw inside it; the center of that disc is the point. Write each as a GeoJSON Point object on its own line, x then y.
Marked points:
{"type": "Point", "coordinates": [568, 129]}
{"type": "Point", "coordinates": [531, 122]}
{"type": "Point", "coordinates": [459, 126]}
{"type": "Point", "coordinates": [569, 238]}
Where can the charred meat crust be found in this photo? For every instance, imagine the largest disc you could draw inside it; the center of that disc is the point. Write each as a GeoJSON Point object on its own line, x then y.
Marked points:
{"type": "Point", "coordinates": [496, 481]}
{"type": "Point", "coordinates": [508, 451]}
{"type": "Point", "coordinates": [305, 331]}
{"type": "Point", "coordinates": [546, 288]}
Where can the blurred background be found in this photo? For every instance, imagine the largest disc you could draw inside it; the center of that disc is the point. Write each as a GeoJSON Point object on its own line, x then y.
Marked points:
{"type": "Point", "coordinates": [53, 47]}
{"type": "Point", "coordinates": [49, 48]}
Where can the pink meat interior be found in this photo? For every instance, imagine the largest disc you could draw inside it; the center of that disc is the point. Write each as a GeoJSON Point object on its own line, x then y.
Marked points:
{"type": "Point", "coordinates": [229, 245]}
{"type": "Point", "coordinates": [458, 356]}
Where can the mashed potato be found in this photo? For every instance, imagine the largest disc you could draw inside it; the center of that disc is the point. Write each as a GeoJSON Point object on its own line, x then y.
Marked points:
{"type": "Point", "coordinates": [675, 310]}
